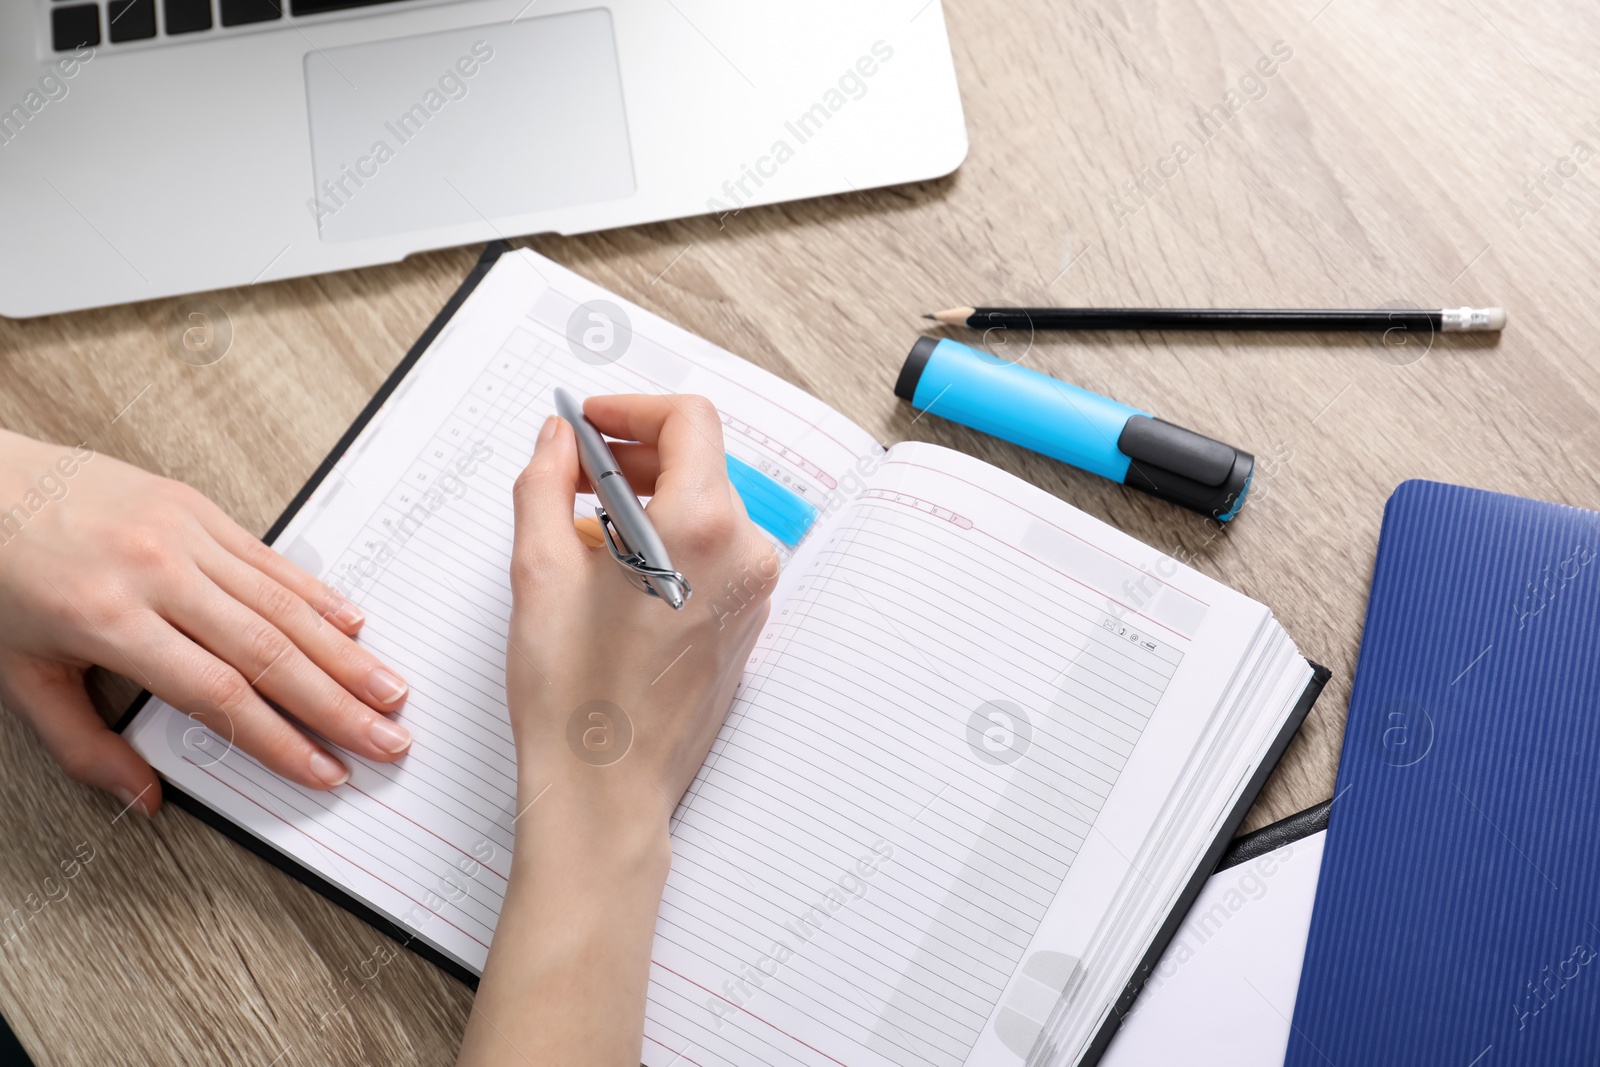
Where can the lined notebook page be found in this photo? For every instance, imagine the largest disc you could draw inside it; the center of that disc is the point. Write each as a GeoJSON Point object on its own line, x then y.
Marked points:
{"type": "Point", "coordinates": [415, 525]}
{"type": "Point", "coordinates": [960, 722]}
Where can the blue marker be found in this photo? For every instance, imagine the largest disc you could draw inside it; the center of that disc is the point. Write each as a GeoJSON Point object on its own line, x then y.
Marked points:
{"type": "Point", "coordinates": [771, 505]}
{"type": "Point", "coordinates": [1076, 426]}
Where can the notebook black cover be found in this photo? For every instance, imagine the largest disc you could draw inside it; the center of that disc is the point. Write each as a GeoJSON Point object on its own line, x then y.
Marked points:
{"type": "Point", "coordinates": [1286, 831]}
{"type": "Point", "coordinates": [408, 938]}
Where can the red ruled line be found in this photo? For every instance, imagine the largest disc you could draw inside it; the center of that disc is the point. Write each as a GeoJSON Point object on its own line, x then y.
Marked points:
{"type": "Point", "coordinates": [424, 829]}
{"type": "Point", "coordinates": [750, 1013]}
{"type": "Point", "coordinates": [669, 1048]}
{"type": "Point", "coordinates": [335, 851]}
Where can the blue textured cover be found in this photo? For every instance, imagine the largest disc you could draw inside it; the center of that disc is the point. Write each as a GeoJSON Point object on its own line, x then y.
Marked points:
{"type": "Point", "coordinates": [1457, 915]}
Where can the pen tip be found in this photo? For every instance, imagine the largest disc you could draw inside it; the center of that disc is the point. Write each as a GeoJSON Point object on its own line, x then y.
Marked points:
{"type": "Point", "coordinates": [931, 318]}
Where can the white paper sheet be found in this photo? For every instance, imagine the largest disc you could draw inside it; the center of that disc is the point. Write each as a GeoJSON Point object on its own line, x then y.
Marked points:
{"type": "Point", "coordinates": [1224, 991]}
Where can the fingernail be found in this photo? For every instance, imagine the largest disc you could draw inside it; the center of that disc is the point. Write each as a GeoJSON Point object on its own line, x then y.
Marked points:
{"type": "Point", "coordinates": [390, 736]}
{"type": "Point", "coordinates": [385, 686]}
{"type": "Point", "coordinates": [589, 531]}
{"type": "Point", "coordinates": [327, 769]}
{"type": "Point", "coordinates": [548, 430]}
{"type": "Point", "coordinates": [345, 613]}
{"type": "Point", "coordinates": [130, 799]}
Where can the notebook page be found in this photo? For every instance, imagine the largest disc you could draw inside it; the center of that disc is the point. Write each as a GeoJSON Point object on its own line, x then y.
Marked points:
{"type": "Point", "coordinates": [1225, 988]}
{"type": "Point", "coordinates": [415, 525]}
{"type": "Point", "coordinates": [959, 725]}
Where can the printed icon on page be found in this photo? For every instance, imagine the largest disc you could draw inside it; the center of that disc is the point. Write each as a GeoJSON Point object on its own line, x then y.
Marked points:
{"type": "Point", "coordinates": [599, 332]}
{"type": "Point", "coordinates": [999, 732]}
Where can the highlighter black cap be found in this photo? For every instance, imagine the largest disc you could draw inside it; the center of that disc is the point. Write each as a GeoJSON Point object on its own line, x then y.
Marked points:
{"type": "Point", "coordinates": [905, 386]}
{"type": "Point", "coordinates": [1188, 469]}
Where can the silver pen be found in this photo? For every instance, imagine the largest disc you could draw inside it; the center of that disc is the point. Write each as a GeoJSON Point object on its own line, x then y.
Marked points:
{"type": "Point", "coordinates": [629, 535]}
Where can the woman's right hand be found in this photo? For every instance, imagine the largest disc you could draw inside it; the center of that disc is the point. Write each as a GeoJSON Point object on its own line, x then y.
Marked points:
{"type": "Point", "coordinates": [614, 696]}
{"type": "Point", "coordinates": [615, 700]}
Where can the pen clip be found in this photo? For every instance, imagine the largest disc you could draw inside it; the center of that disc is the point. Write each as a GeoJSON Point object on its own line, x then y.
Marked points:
{"type": "Point", "coordinates": [638, 568]}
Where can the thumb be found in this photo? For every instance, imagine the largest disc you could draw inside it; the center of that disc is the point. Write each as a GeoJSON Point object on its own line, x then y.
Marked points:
{"type": "Point", "coordinates": [50, 697]}
{"type": "Point", "coordinates": [543, 497]}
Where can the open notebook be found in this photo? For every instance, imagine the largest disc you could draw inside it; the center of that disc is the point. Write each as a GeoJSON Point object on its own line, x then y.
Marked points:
{"type": "Point", "coordinates": [984, 754]}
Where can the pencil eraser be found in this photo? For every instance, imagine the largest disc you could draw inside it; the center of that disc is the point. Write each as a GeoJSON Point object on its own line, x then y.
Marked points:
{"type": "Point", "coordinates": [1472, 320]}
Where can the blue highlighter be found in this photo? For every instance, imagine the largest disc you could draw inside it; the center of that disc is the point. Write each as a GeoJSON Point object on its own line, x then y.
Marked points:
{"type": "Point", "coordinates": [1075, 426]}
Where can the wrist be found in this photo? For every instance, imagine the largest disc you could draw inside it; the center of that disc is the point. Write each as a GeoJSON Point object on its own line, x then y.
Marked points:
{"type": "Point", "coordinates": [594, 820]}
{"type": "Point", "coordinates": [569, 967]}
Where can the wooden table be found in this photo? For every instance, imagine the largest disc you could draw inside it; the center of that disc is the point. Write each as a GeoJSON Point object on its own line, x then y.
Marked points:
{"type": "Point", "coordinates": [1383, 161]}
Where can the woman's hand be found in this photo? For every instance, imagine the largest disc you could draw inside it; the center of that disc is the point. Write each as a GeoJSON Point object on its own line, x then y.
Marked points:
{"type": "Point", "coordinates": [104, 564]}
{"type": "Point", "coordinates": [615, 700]}
{"type": "Point", "coordinates": [615, 697]}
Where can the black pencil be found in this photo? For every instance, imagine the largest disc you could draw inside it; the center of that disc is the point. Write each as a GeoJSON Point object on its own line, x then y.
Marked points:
{"type": "Point", "coordinates": [1304, 320]}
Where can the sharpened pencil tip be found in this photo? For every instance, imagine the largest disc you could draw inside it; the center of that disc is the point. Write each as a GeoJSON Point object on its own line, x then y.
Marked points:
{"type": "Point", "coordinates": [952, 316]}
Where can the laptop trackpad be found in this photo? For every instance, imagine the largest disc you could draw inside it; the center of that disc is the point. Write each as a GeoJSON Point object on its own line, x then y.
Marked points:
{"type": "Point", "coordinates": [465, 125]}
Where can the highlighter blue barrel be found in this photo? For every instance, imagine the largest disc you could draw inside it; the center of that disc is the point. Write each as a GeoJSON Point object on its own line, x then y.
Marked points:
{"type": "Point", "coordinates": [1075, 426]}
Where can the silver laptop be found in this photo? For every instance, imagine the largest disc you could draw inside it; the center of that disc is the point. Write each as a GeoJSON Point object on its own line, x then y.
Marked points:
{"type": "Point", "coordinates": [156, 147]}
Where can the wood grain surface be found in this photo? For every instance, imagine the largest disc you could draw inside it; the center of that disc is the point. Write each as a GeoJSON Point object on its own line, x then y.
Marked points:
{"type": "Point", "coordinates": [1385, 161]}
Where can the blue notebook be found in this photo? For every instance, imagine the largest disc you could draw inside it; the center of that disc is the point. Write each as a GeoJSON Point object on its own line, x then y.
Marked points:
{"type": "Point", "coordinates": [1457, 916]}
